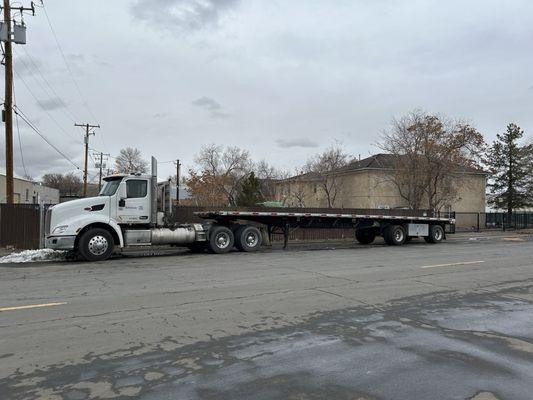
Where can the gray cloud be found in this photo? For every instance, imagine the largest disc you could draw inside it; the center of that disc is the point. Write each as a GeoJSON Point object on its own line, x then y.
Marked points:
{"type": "Point", "coordinates": [51, 104]}
{"type": "Point", "coordinates": [24, 66]}
{"type": "Point", "coordinates": [296, 142]}
{"type": "Point", "coordinates": [76, 57]}
{"type": "Point", "coordinates": [181, 15]}
{"type": "Point", "coordinates": [211, 105]}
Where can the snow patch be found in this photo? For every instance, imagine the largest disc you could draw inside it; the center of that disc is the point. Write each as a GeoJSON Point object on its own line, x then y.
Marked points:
{"type": "Point", "coordinates": [33, 256]}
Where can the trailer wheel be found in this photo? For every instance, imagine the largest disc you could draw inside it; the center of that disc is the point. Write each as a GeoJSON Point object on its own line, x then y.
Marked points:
{"type": "Point", "coordinates": [248, 238]}
{"type": "Point", "coordinates": [365, 236]}
{"type": "Point", "coordinates": [221, 239]}
{"type": "Point", "coordinates": [394, 235]}
{"type": "Point", "coordinates": [436, 234]}
{"type": "Point", "coordinates": [96, 245]}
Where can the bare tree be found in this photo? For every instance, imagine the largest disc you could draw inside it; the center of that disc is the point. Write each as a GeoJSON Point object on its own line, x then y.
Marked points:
{"type": "Point", "coordinates": [268, 175]}
{"type": "Point", "coordinates": [325, 167]}
{"type": "Point", "coordinates": [428, 151]}
{"type": "Point", "coordinates": [68, 184]}
{"type": "Point", "coordinates": [228, 165]}
{"type": "Point", "coordinates": [295, 190]}
{"type": "Point", "coordinates": [130, 160]}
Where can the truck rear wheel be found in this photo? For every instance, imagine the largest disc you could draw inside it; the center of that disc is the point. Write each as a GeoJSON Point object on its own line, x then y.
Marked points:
{"type": "Point", "coordinates": [365, 236]}
{"type": "Point", "coordinates": [96, 244]}
{"type": "Point", "coordinates": [394, 235]}
{"type": "Point", "coordinates": [436, 234]}
{"type": "Point", "coordinates": [248, 238]}
{"type": "Point", "coordinates": [221, 239]}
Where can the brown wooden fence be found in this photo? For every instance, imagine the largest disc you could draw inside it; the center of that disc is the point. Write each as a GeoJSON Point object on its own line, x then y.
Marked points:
{"type": "Point", "coordinates": [19, 226]}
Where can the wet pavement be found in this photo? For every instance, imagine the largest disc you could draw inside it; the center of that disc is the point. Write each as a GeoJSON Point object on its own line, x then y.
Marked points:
{"type": "Point", "coordinates": [467, 333]}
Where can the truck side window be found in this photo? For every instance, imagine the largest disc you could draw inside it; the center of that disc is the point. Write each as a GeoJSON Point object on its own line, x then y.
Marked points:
{"type": "Point", "coordinates": [136, 188]}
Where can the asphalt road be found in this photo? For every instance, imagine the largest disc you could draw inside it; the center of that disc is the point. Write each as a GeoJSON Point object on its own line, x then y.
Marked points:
{"type": "Point", "coordinates": [448, 321]}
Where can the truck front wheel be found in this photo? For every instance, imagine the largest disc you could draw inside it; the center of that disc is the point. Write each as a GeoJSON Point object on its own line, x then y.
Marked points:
{"type": "Point", "coordinates": [248, 238]}
{"type": "Point", "coordinates": [96, 245]}
{"type": "Point", "coordinates": [221, 239]}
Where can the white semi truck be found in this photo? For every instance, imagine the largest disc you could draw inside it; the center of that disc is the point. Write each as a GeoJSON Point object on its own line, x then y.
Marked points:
{"type": "Point", "coordinates": [135, 210]}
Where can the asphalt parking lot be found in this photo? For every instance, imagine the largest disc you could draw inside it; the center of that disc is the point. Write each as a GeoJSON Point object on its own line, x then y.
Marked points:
{"type": "Point", "coordinates": [448, 321]}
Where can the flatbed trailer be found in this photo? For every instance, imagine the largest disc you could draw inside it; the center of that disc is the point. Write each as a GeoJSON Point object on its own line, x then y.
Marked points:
{"type": "Point", "coordinates": [136, 210]}
{"type": "Point", "coordinates": [395, 229]}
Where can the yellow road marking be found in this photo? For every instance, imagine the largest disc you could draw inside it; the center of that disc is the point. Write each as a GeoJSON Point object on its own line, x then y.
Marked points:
{"type": "Point", "coordinates": [453, 264]}
{"type": "Point", "coordinates": [30, 306]}
{"type": "Point", "coordinates": [513, 239]}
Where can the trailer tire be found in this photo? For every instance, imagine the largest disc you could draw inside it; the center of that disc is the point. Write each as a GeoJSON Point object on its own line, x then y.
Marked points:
{"type": "Point", "coordinates": [248, 238]}
{"type": "Point", "coordinates": [394, 235]}
{"type": "Point", "coordinates": [365, 236]}
{"type": "Point", "coordinates": [96, 244]}
{"type": "Point", "coordinates": [221, 240]}
{"type": "Point", "coordinates": [436, 234]}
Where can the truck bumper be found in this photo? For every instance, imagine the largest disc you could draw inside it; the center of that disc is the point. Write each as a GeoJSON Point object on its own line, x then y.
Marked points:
{"type": "Point", "coordinates": [60, 242]}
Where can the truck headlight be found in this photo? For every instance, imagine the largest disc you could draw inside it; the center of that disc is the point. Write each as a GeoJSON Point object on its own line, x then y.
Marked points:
{"type": "Point", "coordinates": [59, 229]}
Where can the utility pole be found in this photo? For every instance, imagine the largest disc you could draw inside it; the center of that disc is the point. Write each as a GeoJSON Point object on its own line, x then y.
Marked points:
{"type": "Point", "coordinates": [8, 36]}
{"type": "Point", "coordinates": [178, 166]}
{"type": "Point", "coordinates": [87, 127]}
{"type": "Point", "coordinates": [100, 167]}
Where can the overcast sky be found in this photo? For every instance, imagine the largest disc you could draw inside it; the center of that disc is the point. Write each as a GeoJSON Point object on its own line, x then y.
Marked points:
{"type": "Point", "coordinates": [282, 79]}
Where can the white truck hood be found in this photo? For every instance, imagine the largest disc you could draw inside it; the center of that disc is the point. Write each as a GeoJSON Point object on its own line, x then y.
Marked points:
{"type": "Point", "coordinates": [74, 213]}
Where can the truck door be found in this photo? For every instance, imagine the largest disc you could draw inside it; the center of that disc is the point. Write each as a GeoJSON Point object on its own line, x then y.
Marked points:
{"type": "Point", "coordinates": [135, 207]}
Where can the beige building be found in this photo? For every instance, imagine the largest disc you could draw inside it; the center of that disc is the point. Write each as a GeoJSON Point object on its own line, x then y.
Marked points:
{"type": "Point", "coordinates": [28, 192]}
{"type": "Point", "coordinates": [367, 184]}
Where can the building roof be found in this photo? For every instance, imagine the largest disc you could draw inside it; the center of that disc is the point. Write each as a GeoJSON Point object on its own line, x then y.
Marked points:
{"type": "Point", "coordinates": [388, 161]}
{"type": "Point", "coordinates": [380, 161]}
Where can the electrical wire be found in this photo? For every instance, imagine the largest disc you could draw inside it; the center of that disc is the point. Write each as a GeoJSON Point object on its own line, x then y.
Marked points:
{"type": "Point", "coordinates": [36, 68]}
{"type": "Point", "coordinates": [84, 101]}
{"type": "Point", "coordinates": [18, 133]}
{"type": "Point", "coordinates": [46, 111]}
{"type": "Point", "coordinates": [23, 116]}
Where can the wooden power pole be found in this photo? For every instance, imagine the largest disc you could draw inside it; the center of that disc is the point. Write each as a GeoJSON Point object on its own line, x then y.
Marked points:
{"type": "Point", "coordinates": [8, 115]}
{"type": "Point", "coordinates": [88, 132]}
{"type": "Point", "coordinates": [18, 36]}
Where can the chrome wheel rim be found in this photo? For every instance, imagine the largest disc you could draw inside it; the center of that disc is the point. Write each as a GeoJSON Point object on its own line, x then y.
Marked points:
{"type": "Point", "coordinates": [438, 234]}
{"type": "Point", "coordinates": [251, 239]}
{"type": "Point", "coordinates": [222, 240]}
{"type": "Point", "coordinates": [398, 235]}
{"type": "Point", "coordinates": [98, 245]}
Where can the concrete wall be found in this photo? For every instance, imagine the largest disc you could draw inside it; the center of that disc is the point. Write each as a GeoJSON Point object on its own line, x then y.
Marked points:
{"type": "Point", "coordinates": [374, 189]}
{"type": "Point", "coordinates": [27, 192]}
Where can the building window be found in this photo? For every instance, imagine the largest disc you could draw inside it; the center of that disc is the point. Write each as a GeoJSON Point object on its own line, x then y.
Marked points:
{"type": "Point", "coordinates": [27, 195]}
{"type": "Point", "coordinates": [136, 188]}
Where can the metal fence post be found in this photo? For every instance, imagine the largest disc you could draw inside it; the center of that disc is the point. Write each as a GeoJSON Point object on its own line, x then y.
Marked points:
{"type": "Point", "coordinates": [41, 226]}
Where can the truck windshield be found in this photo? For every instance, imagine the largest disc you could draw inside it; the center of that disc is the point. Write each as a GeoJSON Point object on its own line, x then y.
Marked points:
{"type": "Point", "coordinates": [110, 186]}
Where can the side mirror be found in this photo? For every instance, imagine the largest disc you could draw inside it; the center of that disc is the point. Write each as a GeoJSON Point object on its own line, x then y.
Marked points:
{"type": "Point", "coordinates": [122, 203]}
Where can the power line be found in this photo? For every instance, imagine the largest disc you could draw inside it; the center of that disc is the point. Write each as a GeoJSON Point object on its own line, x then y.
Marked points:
{"type": "Point", "coordinates": [85, 104]}
{"type": "Point", "coordinates": [54, 93]}
{"type": "Point", "coordinates": [46, 111]}
{"type": "Point", "coordinates": [23, 116]}
{"type": "Point", "coordinates": [18, 133]}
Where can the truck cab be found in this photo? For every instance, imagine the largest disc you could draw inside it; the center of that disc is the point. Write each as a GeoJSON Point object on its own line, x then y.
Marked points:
{"type": "Point", "coordinates": [130, 210]}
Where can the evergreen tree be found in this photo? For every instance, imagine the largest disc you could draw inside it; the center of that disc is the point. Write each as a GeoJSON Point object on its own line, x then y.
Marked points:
{"type": "Point", "coordinates": [510, 166]}
{"type": "Point", "coordinates": [250, 193]}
